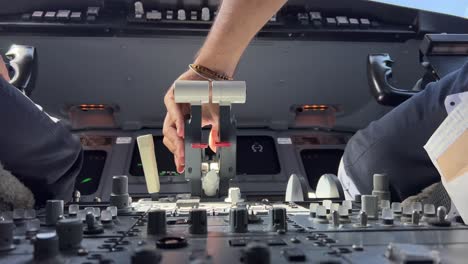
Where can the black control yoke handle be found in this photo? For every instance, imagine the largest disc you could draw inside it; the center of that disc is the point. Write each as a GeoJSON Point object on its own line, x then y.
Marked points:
{"type": "Point", "coordinates": [22, 65]}
{"type": "Point", "coordinates": [379, 71]}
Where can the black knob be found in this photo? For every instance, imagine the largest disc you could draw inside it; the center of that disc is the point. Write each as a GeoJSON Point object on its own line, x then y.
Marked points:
{"type": "Point", "coordinates": [278, 219]}
{"type": "Point", "coordinates": [70, 233]}
{"type": "Point", "coordinates": [6, 235]}
{"type": "Point", "coordinates": [146, 255]}
{"type": "Point", "coordinates": [54, 211]}
{"type": "Point", "coordinates": [119, 196]}
{"type": "Point", "coordinates": [46, 246]}
{"type": "Point", "coordinates": [256, 253]}
{"type": "Point", "coordinates": [157, 222]}
{"type": "Point", "coordinates": [198, 221]}
{"type": "Point", "coordinates": [238, 220]}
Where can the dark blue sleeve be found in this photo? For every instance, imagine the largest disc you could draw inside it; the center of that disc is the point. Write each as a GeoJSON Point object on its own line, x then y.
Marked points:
{"type": "Point", "coordinates": [43, 154]}
{"type": "Point", "coordinates": [394, 143]}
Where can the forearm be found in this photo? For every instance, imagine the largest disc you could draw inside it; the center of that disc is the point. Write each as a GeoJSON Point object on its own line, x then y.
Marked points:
{"type": "Point", "coordinates": [42, 153]}
{"type": "Point", "coordinates": [236, 24]}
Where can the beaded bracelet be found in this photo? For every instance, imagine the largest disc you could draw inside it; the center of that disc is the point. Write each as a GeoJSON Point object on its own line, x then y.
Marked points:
{"type": "Point", "coordinates": [208, 74]}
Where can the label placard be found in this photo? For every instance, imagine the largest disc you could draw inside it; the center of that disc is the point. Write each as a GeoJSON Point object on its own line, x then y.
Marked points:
{"type": "Point", "coordinates": [284, 141]}
{"type": "Point", "coordinates": [123, 140]}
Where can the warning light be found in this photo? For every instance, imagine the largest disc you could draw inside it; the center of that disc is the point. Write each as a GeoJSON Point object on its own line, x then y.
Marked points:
{"type": "Point", "coordinates": [315, 107]}
{"type": "Point", "coordinates": [88, 107]}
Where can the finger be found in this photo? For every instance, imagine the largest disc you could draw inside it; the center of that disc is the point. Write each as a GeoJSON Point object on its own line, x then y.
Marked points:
{"type": "Point", "coordinates": [213, 138]}
{"type": "Point", "coordinates": [169, 145]}
{"type": "Point", "coordinates": [175, 112]}
{"type": "Point", "coordinates": [174, 142]}
{"type": "Point", "coordinates": [179, 167]}
{"type": "Point", "coordinates": [175, 145]}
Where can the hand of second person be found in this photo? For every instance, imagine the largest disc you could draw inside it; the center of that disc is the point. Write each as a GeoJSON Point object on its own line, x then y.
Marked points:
{"type": "Point", "coordinates": [4, 70]}
{"type": "Point", "coordinates": [173, 128]}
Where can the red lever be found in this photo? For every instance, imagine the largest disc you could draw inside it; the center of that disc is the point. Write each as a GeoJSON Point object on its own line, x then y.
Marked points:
{"type": "Point", "coordinates": [223, 144]}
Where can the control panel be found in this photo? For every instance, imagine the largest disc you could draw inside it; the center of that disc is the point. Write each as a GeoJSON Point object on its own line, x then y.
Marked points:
{"type": "Point", "coordinates": [265, 161]}
{"type": "Point", "coordinates": [298, 19]}
{"type": "Point", "coordinates": [185, 229]}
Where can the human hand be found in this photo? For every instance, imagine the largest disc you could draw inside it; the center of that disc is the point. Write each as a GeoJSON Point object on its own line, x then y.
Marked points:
{"type": "Point", "coordinates": [4, 70]}
{"type": "Point", "coordinates": [174, 123]}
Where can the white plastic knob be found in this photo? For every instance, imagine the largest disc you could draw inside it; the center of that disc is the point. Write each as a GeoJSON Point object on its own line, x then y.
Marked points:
{"type": "Point", "coordinates": [348, 204]}
{"type": "Point", "coordinates": [429, 209]}
{"type": "Point", "coordinates": [106, 215]}
{"type": "Point", "coordinates": [384, 204]}
{"type": "Point", "coordinates": [313, 207]}
{"type": "Point", "coordinates": [343, 211]}
{"type": "Point", "coordinates": [327, 204]}
{"type": "Point", "coordinates": [321, 210]}
{"type": "Point", "coordinates": [97, 212]}
{"type": "Point", "coordinates": [417, 206]}
{"type": "Point", "coordinates": [73, 209]}
{"type": "Point", "coordinates": [18, 213]}
{"type": "Point", "coordinates": [334, 207]}
{"type": "Point", "coordinates": [396, 207]}
{"type": "Point", "coordinates": [7, 215]}
{"type": "Point", "coordinates": [33, 225]}
{"type": "Point", "coordinates": [407, 209]}
{"type": "Point", "coordinates": [89, 210]}
{"type": "Point", "coordinates": [234, 196]}
{"type": "Point", "coordinates": [387, 213]}
{"type": "Point", "coordinates": [81, 215]}
{"type": "Point", "coordinates": [30, 214]}
{"type": "Point", "coordinates": [113, 210]}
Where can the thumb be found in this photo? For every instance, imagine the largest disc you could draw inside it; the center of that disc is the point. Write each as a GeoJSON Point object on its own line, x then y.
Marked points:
{"type": "Point", "coordinates": [213, 138]}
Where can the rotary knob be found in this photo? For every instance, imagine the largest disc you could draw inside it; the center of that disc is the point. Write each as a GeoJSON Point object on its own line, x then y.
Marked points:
{"type": "Point", "coordinates": [238, 220]}
{"type": "Point", "coordinates": [6, 235]}
{"type": "Point", "coordinates": [256, 253]}
{"type": "Point", "coordinates": [119, 196]}
{"type": "Point", "coordinates": [278, 219]}
{"type": "Point", "coordinates": [381, 187]}
{"type": "Point", "coordinates": [46, 247]}
{"type": "Point", "coordinates": [146, 255]}
{"type": "Point", "coordinates": [198, 221]}
{"type": "Point", "coordinates": [54, 211]}
{"type": "Point", "coordinates": [156, 222]}
{"type": "Point", "coordinates": [370, 206]}
{"type": "Point", "coordinates": [70, 233]}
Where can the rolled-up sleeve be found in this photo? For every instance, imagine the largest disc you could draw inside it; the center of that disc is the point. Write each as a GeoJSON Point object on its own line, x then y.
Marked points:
{"type": "Point", "coordinates": [43, 154]}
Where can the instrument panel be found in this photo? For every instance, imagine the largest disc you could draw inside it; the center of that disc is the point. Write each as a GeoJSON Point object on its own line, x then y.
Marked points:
{"type": "Point", "coordinates": [265, 160]}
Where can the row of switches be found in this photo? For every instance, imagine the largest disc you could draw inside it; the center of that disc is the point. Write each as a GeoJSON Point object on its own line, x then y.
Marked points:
{"type": "Point", "coordinates": [170, 15]}
{"type": "Point", "coordinates": [63, 15]}
{"type": "Point", "coordinates": [342, 21]}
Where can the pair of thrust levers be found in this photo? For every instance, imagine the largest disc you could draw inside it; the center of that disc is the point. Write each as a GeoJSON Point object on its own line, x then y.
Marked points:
{"type": "Point", "coordinates": [197, 93]}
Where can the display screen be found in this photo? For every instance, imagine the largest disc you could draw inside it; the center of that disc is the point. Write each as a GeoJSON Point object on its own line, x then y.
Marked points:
{"type": "Point", "coordinates": [164, 159]}
{"type": "Point", "coordinates": [320, 161]}
{"type": "Point", "coordinates": [256, 155]}
{"type": "Point", "coordinates": [88, 180]}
